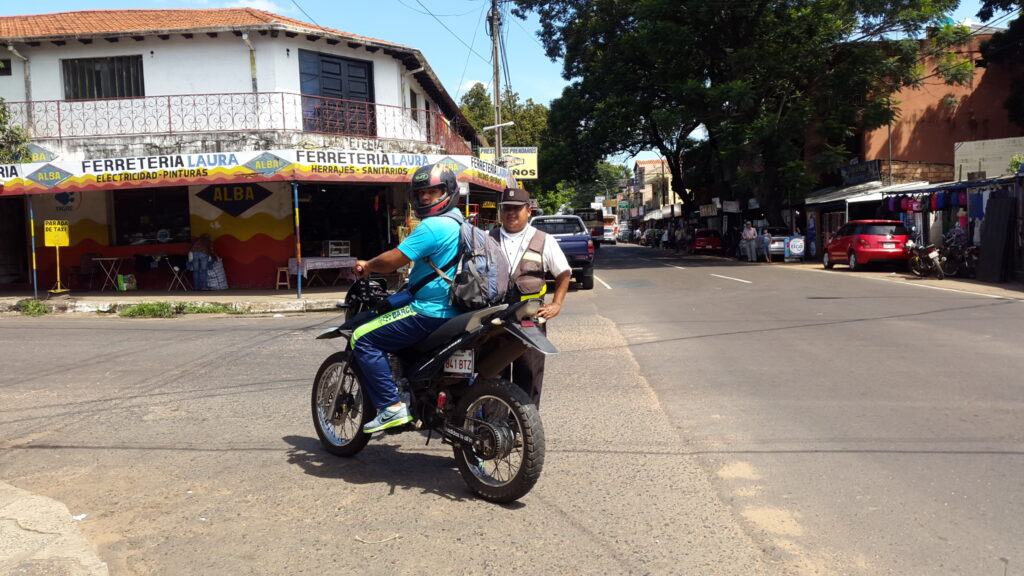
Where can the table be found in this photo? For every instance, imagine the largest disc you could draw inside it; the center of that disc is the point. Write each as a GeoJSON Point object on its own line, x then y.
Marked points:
{"type": "Point", "coordinates": [177, 274]}
{"type": "Point", "coordinates": [344, 265]}
{"type": "Point", "coordinates": [110, 266]}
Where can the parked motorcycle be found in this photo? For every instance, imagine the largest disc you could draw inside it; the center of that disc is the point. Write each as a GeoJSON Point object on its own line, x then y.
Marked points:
{"type": "Point", "coordinates": [452, 385]}
{"type": "Point", "coordinates": [924, 260]}
{"type": "Point", "coordinates": [959, 258]}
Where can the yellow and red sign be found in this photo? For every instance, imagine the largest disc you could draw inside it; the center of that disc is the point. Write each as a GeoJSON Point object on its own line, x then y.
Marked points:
{"type": "Point", "coordinates": [229, 168]}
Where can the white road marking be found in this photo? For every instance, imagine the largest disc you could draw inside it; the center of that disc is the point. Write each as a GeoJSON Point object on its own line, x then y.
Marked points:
{"type": "Point", "coordinates": [603, 283]}
{"type": "Point", "coordinates": [731, 278]}
{"type": "Point", "coordinates": [676, 267]}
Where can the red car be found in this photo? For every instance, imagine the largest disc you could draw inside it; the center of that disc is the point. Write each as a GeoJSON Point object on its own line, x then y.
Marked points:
{"type": "Point", "coordinates": [707, 239]}
{"type": "Point", "coordinates": [860, 242]}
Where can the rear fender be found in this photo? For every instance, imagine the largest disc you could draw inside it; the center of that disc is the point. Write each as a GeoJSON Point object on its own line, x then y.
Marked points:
{"type": "Point", "coordinates": [336, 332]}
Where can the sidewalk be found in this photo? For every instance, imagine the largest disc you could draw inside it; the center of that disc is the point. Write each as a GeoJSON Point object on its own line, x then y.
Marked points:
{"type": "Point", "coordinates": [254, 301]}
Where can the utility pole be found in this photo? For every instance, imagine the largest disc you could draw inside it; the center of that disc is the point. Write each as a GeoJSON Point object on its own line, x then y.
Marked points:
{"type": "Point", "coordinates": [494, 19]}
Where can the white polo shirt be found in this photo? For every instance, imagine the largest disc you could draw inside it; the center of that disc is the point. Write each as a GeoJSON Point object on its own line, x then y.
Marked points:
{"type": "Point", "coordinates": [515, 244]}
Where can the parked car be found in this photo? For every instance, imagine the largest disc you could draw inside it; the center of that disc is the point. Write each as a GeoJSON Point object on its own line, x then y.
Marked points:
{"type": "Point", "coordinates": [575, 241]}
{"type": "Point", "coordinates": [859, 242]}
{"type": "Point", "coordinates": [779, 235]}
{"type": "Point", "coordinates": [707, 240]}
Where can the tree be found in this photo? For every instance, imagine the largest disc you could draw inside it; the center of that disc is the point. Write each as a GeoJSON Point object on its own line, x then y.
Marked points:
{"type": "Point", "coordinates": [13, 140]}
{"type": "Point", "coordinates": [761, 78]}
{"type": "Point", "coordinates": [1006, 48]}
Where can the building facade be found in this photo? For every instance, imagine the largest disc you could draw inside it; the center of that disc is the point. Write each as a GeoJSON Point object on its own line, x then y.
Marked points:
{"type": "Point", "coordinates": [152, 127]}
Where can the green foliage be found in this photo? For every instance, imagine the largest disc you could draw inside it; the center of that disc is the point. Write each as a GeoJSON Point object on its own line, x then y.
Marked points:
{"type": "Point", "coordinates": [759, 78]}
{"type": "Point", "coordinates": [171, 309]}
{"type": "Point", "coordinates": [32, 307]}
{"type": "Point", "coordinates": [148, 310]}
{"type": "Point", "coordinates": [13, 140]}
{"type": "Point", "coordinates": [530, 118]}
{"type": "Point", "coordinates": [1015, 162]}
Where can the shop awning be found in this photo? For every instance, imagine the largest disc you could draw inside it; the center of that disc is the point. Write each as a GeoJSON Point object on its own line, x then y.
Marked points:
{"type": "Point", "coordinates": [866, 192]}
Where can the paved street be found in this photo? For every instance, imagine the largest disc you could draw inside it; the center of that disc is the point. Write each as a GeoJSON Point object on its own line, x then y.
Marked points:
{"type": "Point", "coordinates": [704, 417]}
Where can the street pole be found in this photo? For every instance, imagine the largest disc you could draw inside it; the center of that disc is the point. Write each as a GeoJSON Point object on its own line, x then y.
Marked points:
{"type": "Point", "coordinates": [495, 20]}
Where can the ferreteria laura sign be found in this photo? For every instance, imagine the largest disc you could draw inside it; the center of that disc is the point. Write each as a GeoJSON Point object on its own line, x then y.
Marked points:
{"type": "Point", "coordinates": [226, 168]}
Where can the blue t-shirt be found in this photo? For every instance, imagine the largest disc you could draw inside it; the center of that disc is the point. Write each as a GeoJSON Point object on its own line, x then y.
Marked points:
{"type": "Point", "coordinates": [436, 237]}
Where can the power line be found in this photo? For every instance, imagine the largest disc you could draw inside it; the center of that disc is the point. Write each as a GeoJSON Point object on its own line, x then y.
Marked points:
{"type": "Point", "coordinates": [434, 16]}
{"type": "Point", "coordinates": [304, 12]}
{"type": "Point", "coordinates": [402, 2]}
{"type": "Point", "coordinates": [465, 67]}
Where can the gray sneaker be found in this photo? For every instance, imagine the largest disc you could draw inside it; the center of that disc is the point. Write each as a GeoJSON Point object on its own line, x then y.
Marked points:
{"type": "Point", "coordinates": [388, 418]}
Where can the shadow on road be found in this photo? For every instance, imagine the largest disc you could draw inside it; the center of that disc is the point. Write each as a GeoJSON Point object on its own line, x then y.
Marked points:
{"type": "Point", "coordinates": [381, 463]}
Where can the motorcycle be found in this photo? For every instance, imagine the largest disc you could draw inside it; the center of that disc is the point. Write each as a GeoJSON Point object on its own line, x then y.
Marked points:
{"type": "Point", "coordinates": [924, 260]}
{"type": "Point", "coordinates": [452, 385]}
{"type": "Point", "coordinates": [959, 259]}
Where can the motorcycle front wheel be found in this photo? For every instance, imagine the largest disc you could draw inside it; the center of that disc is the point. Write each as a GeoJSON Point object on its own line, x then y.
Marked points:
{"type": "Point", "coordinates": [507, 455]}
{"type": "Point", "coordinates": [340, 406]}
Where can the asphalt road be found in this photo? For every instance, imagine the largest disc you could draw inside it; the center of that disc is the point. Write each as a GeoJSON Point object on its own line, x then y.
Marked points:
{"type": "Point", "coordinates": [703, 417]}
{"type": "Point", "coordinates": [855, 425]}
{"type": "Point", "coordinates": [188, 447]}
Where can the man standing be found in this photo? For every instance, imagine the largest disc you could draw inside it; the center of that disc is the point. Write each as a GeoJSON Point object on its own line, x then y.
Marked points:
{"type": "Point", "coordinates": [434, 193]}
{"type": "Point", "coordinates": [749, 241]}
{"type": "Point", "coordinates": [531, 253]}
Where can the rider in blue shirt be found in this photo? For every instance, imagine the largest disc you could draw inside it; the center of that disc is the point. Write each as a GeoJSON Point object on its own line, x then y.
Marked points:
{"type": "Point", "coordinates": [435, 192]}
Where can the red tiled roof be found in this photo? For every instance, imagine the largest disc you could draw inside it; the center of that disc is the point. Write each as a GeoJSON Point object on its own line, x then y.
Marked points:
{"type": "Point", "coordinates": [99, 22]}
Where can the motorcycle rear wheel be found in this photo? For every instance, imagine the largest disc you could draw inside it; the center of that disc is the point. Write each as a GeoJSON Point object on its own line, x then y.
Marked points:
{"type": "Point", "coordinates": [506, 460]}
{"type": "Point", "coordinates": [340, 406]}
{"type": "Point", "coordinates": [916, 266]}
{"type": "Point", "coordinates": [951, 265]}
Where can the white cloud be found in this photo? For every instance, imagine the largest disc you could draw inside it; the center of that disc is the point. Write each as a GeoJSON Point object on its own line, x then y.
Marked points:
{"type": "Point", "coordinates": [470, 83]}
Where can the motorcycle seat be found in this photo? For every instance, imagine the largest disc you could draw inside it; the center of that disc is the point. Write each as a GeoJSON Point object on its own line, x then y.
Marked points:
{"type": "Point", "coordinates": [457, 325]}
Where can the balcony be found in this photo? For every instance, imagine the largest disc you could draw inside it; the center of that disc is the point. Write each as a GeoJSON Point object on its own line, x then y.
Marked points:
{"type": "Point", "coordinates": [236, 112]}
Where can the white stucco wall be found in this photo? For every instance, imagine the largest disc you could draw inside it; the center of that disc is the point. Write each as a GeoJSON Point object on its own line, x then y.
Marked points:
{"type": "Point", "coordinates": [203, 65]}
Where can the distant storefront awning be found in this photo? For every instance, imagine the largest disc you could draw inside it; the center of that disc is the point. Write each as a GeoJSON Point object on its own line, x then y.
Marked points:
{"type": "Point", "coordinates": [866, 192]}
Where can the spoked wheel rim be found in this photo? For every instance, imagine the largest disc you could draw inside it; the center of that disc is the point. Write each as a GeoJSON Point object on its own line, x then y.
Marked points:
{"type": "Point", "coordinates": [497, 454]}
{"type": "Point", "coordinates": [339, 406]}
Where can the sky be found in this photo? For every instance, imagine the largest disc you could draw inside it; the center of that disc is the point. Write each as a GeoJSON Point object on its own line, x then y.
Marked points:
{"type": "Point", "coordinates": [451, 34]}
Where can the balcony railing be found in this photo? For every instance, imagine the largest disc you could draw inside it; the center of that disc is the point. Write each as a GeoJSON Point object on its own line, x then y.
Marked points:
{"type": "Point", "coordinates": [237, 112]}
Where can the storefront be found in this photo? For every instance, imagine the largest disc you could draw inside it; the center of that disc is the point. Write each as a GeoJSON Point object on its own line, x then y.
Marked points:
{"type": "Point", "coordinates": [829, 208]}
{"type": "Point", "coordinates": [144, 208]}
{"type": "Point", "coordinates": [984, 213]}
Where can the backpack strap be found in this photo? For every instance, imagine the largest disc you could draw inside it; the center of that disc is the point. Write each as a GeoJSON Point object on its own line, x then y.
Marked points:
{"type": "Point", "coordinates": [439, 272]}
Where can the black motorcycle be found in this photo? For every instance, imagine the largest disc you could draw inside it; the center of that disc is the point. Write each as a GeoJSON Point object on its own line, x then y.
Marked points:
{"type": "Point", "coordinates": [451, 383]}
{"type": "Point", "coordinates": [960, 259]}
{"type": "Point", "coordinates": [924, 260]}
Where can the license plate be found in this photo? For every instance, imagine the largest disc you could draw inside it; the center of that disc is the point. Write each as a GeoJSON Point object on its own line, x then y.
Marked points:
{"type": "Point", "coordinates": [460, 363]}
{"type": "Point", "coordinates": [889, 245]}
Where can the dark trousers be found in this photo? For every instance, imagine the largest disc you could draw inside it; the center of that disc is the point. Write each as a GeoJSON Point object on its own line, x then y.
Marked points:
{"type": "Point", "coordinates": [528, 371]}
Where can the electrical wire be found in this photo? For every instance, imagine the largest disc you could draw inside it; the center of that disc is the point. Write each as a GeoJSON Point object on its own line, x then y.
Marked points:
{"type": "Point", "coordinates": [306, 13]}
{"type": "Point", "coordinates": [402, 2]}
{"type": "Point", "coordinates": [445, 26]}
{"type": "Point", "coordinates": [465, 67]}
